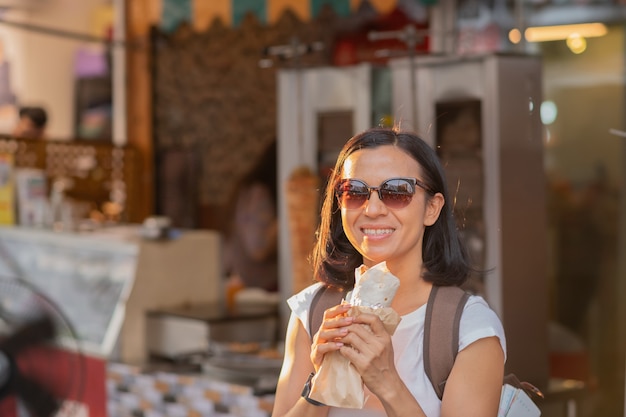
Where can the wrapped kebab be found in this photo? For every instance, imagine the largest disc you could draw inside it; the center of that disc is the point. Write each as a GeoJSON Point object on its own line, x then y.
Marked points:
{"type": "Point", "coordinates": [337, 382]}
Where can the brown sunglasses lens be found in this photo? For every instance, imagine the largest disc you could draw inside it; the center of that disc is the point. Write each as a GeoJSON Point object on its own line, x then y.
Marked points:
{"type": "Point", "coordinates": [395, 193]}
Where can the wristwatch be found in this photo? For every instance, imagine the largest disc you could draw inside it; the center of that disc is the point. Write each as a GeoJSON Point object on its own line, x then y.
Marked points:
{"type": "Point", "coordinates": [307, 390]}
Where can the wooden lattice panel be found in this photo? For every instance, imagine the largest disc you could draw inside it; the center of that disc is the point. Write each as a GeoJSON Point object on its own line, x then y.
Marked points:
{"type": "Point", "coordinates": [98, 172]}
{"type": "Point", "coordinates": [213, 98]}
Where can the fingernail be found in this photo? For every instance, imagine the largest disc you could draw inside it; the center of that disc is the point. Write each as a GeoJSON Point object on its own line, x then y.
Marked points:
{"type": "Point", "coordinates": [338, 344]}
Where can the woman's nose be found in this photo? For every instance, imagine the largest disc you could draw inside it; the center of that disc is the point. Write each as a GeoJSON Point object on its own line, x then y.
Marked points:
{"type": "Point", "coordinates": [374, 205]}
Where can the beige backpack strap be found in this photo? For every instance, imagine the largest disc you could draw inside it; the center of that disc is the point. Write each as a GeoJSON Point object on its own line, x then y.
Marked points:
{"type": "Point", "coordinates": [324, 298]}
{"type": "Point", "coordinates": [441, 333]}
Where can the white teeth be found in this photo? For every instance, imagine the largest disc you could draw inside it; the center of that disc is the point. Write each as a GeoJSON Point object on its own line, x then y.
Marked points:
{"type": "Point", "coordinates": [377, 231]}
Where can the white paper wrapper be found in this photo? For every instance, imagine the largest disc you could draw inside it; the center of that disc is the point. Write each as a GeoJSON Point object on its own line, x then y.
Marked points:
{"type": "Point", "coordinates": [337, 382]}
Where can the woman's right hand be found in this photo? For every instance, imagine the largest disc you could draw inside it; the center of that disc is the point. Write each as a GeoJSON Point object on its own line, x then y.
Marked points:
{"type": "Point", "coordinates": [332, 329]}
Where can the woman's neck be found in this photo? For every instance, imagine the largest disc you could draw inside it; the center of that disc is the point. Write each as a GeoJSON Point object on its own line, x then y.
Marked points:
{"type": "Point", "coordinates": [412, 294]}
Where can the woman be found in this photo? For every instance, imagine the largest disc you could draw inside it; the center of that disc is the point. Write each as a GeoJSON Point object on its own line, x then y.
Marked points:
{"type": "Point", "coordinates": [413, 230]}
{"type": "Point", "coordinates": [251, 250]}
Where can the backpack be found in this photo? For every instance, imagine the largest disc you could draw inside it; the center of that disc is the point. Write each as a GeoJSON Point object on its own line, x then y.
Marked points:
{"type": "Point", "coordinates": [441, 328]}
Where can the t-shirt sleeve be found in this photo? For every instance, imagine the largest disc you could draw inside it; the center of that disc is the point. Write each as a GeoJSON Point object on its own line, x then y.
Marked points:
{"type": "Point", "coordinates": [478, 322]}
{"type": "Point", "coordinates": [300, 304]}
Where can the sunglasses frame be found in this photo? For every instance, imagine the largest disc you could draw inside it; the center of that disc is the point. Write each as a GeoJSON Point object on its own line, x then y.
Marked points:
{"type": "Point", "coordinates": [414, 182]}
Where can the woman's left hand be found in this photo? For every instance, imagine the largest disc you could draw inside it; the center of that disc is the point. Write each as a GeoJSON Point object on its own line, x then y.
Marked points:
{"type": "Point", "coordinates": [368, 347]}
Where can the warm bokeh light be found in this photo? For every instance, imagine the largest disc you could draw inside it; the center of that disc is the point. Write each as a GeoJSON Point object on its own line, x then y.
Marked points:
{"type": "Point", "coordinates": [562, 32]}
{"type": "Point", "coordinates": [515, 36]}
{"type": "Point", "coordinates": [576, 43]}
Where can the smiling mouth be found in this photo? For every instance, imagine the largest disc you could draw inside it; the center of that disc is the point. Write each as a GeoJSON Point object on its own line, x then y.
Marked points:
{"type": "Point", "coordinates": [377, 232]}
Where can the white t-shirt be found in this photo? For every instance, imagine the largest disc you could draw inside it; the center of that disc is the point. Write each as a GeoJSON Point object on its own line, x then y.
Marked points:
{"type": "Point", "coordinates": [478, 321]}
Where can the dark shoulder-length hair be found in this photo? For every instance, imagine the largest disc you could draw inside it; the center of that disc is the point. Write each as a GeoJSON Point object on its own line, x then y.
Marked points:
{"type": "Point", "coordinates": [445, 259]}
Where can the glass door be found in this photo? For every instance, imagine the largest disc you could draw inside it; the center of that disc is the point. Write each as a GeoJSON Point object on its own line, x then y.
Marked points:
{"type": "Point", "coordinates": [585, 158]}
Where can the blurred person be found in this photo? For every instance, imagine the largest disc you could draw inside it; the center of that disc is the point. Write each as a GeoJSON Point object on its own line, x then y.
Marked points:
{"type": "Point", "coordinates": [31, 123]}
{"type": "Point", "coordinates": [387, 200]}
{"type": "Point", "coordinates": [251, 254]}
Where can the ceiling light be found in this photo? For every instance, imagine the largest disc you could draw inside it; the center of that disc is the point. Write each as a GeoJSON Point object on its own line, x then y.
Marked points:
{"type": "Point", "coordinates": [562, 32]}
{"type": "Point", "coordinates": [576, 43]}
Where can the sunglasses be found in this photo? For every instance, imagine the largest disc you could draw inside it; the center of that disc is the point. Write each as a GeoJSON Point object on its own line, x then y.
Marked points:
{"type": "Point", "coordinates": [395, 193]}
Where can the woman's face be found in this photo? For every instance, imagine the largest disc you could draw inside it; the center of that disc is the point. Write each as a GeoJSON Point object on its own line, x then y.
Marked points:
{"type": "Point", "coordinates": [381, 233]}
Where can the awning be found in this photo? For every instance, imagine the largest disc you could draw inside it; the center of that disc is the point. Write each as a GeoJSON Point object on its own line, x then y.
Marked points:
{"type": "Point", "coordinates": [200, 13]}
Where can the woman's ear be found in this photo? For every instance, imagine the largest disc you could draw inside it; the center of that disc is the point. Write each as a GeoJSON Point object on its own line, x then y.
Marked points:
{"type": "Point", "coordinates": [433, 209]}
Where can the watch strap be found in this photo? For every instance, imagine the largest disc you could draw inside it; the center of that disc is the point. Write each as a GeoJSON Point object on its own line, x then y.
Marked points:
{"type": "Point", "coordinates": [307, 390]}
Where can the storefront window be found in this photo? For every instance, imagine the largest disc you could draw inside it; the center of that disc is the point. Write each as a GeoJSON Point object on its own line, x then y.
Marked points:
{"type": "Point", "coordinates": [585, 157]}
